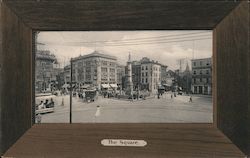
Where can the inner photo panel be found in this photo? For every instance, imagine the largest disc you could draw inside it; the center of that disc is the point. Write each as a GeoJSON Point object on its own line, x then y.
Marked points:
{"type": "Point", "coordinates": [124, 76]}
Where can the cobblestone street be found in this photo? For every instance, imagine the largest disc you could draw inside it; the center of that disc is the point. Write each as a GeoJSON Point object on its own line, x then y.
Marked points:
{"type": "Point", "coordinates": [151, 110]}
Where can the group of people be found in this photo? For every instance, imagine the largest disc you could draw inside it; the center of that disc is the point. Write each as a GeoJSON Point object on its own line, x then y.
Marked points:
{"type": "Point", "coordinates": [46, 104]}
{"type": "Point", "coordinates": [174, 95]}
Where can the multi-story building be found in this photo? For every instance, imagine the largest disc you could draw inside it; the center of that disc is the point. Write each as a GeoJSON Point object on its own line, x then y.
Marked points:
{"type": "Point", "coordinates": [150, 74]}
{"type": "Point", "coordinates": [136, 74]}
{"type": "Point", "coordinates": [95, 69]}
{"type": "Point", "coordinates": [164, 74]}
{"type": "Point", "coordinates": [44, 70]}
{"type": "Point", "coordinates": [168, 81]}
{"type": "Point", "coordinates": [120, 76]}
{"type": "Point", "coordinates": [202, 76]}
{"type": "Point", "coordinates": [66, 74]}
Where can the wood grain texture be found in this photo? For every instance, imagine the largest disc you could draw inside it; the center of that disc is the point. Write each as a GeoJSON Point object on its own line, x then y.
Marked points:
{"type": "Point", "coordinates": [16, 78]}
{"type": "Point", "coordinates": [1, 58]}
{"type": "Point", "coordinates": [248, 153]}
{"type": "Point", "coordinates": [232, 49]}
{"type": "Point", "coordinates": [84, 140]}
{"type": "Point", "coordinates": [120, 15]}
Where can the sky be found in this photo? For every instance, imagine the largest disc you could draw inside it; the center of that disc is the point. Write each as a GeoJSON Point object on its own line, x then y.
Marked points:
{"type": "Point", "coordinates": [167, 47]}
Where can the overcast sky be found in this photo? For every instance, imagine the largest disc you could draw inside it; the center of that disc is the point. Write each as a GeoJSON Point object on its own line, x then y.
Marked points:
{"type": "Point", "coordinates": [167, 47]}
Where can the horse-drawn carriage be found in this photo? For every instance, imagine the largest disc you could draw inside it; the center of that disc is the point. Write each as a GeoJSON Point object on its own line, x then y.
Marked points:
{"type": "Point", "coordinates": [91, 95]}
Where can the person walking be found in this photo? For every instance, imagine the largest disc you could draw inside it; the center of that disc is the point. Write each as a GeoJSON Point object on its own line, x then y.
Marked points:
{"type": "Point", "coordinates": [62, 102]}
{"type": "Point", "coordinates": [39, 118]}
{"type": "Point", "coordinates": [190, 99]}
{"type": "Point", "coordinates": [98, 112]}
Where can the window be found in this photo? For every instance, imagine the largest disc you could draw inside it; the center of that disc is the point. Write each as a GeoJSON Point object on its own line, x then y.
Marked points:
{"type": "Point", "coordinates": [146, 67]}
{"type": "Point", "coordinates": [207, 80]}
{"type": "Point", "coordinates": [112, 70]}
{"type": "Point", "coordinates": [146, 80]}
{"type": "Point", "coordinates": [207, 71]}
{"type": "Point", "coordinates": [142, 80]}
{"type": "Point", "coordinates": [194, 72]}
{"type": "Point", "coordinates": [80, 64]}
{"type": "Point", "coordinates": [112, 64]}
{"type": "Point", "coordinates": [201, 72]}
{"type": "Point", "coordinates": [104, 63]}
{"type": "Point", "coordinates": [200, 79]}
{"type": "Point", "coordinates": [200, 63]}
{"type": "Point", "coordinates": [104, 69]}
{"type": "Point", "coordinates": [142, 68]}
{"type": "Point", "coordinates": [194, 63]}
{"type": "Point", "coordinates": [88, 63]}
{"type": "Point", "coordinates": [146, 74]}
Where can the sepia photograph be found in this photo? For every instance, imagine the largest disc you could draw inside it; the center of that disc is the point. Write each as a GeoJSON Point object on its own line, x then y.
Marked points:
{"type": "Point", "coordinates": [124, 77]}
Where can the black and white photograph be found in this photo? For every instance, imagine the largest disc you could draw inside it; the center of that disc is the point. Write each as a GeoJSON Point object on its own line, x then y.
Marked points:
{"type": "Point", "coordinates": [123, 77]}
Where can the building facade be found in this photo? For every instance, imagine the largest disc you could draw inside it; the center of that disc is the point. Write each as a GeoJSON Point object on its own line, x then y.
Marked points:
{"type": "Point", "coordinates": [66, 74]}
{"type": "Point", "coordinates": [44, 71]}
{"type": "Point", "coordinates": [202, 76]}
{"type": "Point", "coordinates": [150, 74]}
{"type": "Point", "coordinates": [95, 69]}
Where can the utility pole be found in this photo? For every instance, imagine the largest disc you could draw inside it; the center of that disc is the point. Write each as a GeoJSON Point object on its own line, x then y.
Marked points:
{"type": "Point", "coordinates": [70, 104]}
{"type": "Point", "coordinates": [193, 50]}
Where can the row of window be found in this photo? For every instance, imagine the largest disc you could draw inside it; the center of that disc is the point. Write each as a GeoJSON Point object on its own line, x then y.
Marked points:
{"type": "Point", "coordinates": [201, 63]}
{"type": "Point", "coordinates": [146, 68]}
{"type": "Point", "coordinates": [105, 69]}
{"type": "Point", "coordinates": [89, 62]}
{"type": "Point", "coordinates": [146, 80]}
{"type": "Point", "coordinates": [200, 72]}
{"type": "Point", "coordinates": [146, 74]}
{"type": "Point", "coordinates": [206, 80]}
{"type": "Point", "coordinates": [106, 63]}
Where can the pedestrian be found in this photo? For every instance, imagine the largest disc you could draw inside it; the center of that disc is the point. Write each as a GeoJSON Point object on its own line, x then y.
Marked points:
{"type": "Point", "coordinates": [62, 102]}
{"type": "Point", "coordinates": [98, 112]}
{"type": "Point", "coordinates": [190, 99]}
{"type": "Point", "coordinates": [39, 118]}
{"type": "Point", "coordinates": [171, 96]}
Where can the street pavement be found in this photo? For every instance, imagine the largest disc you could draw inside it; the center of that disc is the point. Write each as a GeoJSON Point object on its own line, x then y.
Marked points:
{"type": "Point", "coordinates": [151, 110]}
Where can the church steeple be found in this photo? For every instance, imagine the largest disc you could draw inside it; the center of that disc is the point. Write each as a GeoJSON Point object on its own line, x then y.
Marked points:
{"type": "Point", "coordinates": [187, 68]}
{"type": "Point", "coordinates": [129, 57]}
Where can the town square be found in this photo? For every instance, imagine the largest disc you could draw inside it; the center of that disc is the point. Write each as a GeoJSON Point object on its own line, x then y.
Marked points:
{"type": "Point", "coordinates": [99, 86]}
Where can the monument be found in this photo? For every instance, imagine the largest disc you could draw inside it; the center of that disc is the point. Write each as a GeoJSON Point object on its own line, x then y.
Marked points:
{"type": "Point", "coordinates": [129, 90]}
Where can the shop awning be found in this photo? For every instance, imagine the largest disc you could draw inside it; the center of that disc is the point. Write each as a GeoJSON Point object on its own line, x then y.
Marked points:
{"type": "Point", "coordinates": [105, 86]}
{"type": "Point", "coordinates": [85, 86]}
{"type": "Point", "coordinates": [65, 86]}
{"type": "Point", "coordinates": [113, 85]}
{"type": "Point", "coordinates": [167, 85]}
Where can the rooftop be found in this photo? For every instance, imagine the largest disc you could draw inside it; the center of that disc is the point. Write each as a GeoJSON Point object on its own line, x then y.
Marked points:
{"type": "Point", "coordinates": [45, 55]}
{"type": "Point", "coordinates": [95, 54]}
{"type": "Point", "coordinates": [210, 58]}
{"type": "Point", "coordinates": [146, 60]}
